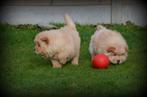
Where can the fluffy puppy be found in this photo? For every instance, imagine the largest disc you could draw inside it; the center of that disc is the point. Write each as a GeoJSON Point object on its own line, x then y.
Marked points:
{"type": "Point", "coordinates": [110, 43]}
{"type": "Point", "coordinates": [60, 45]}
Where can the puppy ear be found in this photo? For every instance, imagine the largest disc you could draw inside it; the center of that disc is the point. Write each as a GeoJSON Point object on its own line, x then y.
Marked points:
{"type": "Point", "coordinates": [45, 40]}
{"type": "Point", "coordinates": [111, 49]}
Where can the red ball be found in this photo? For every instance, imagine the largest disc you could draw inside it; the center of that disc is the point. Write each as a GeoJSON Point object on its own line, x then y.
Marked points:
{"type": "Point", "coordinates": [100, 61]}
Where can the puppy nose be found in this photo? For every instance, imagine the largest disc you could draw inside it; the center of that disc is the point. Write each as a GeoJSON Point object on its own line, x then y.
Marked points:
{"type": "Point", "coordinates": [118, 61]}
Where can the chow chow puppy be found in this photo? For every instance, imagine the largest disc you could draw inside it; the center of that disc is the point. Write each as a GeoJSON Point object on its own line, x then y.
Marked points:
{"type": "Point", "coordinates": [110, 43]}
{"type": "Point", "coordinates": [60, 45]}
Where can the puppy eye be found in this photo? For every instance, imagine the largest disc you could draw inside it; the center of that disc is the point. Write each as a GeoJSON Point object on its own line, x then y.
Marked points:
{"type": "Point", "coordinates": [114, 54]}
{"type": "Point", "coordinates": [122, 54]}
{"type": "Point", "coordinates": [38, 44]}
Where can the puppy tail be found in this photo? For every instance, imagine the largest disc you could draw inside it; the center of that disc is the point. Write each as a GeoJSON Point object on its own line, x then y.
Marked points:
{"type": "Point", "coordinates": [68, 21]}
{"type": "Point", "coordinates": [100, 27]}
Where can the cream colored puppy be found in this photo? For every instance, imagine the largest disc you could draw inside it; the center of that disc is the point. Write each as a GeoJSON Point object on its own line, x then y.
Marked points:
{"type": "Point", "coordinates": [110, 43]}
{"type": "Point", "coordinates": [59, 45]}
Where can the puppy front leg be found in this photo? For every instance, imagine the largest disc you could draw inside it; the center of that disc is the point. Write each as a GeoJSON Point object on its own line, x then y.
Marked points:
{"type": "Point", "coordinates": [56, 64]}
{"type": "Point", "coordinates": [92, 57]}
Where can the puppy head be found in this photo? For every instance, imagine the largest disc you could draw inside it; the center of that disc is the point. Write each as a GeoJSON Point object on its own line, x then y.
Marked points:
{"type": "Point", "coordinates": [117, 54]}
{"type": "Point", "coordinates": [41, 44]}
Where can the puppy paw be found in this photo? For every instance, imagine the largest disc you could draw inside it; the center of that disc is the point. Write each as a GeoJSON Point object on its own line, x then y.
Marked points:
{"type": "Point", "coordinates": [57, 66]}
{"type": "Point", "coordinates": [74, 62]}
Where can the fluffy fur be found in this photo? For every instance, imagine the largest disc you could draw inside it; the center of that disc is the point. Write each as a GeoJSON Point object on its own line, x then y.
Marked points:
{"type": "Point", "coordinates": [110, 43]}
{"type": "Point", "coordinates": [59, 45]}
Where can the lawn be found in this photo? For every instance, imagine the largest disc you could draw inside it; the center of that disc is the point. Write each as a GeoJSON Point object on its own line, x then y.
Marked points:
{"type": "Point", "coordinates": [25, 74]}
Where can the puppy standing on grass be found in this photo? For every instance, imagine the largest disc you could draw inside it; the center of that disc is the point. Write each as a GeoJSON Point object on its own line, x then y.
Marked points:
{"type": "Point", "coordinates": [110, 43]}
{"type": "Point", "coordinates": [59, 45]}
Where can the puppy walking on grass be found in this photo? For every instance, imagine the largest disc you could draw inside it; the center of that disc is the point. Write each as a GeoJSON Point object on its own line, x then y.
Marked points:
{"type": "Point", "coordinates": [59, 45]}
{"type": "Point", "coordinates": [110, 43]}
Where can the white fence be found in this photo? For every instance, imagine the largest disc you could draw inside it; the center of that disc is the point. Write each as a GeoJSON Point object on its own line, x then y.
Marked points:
{"type": "Point", "coordinates": [114, 12]}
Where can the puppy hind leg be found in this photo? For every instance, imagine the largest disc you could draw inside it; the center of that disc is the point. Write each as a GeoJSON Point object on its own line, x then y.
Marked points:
{"type": "Point", "coordinates": [75, 60]}
{"type": "Point", "coordinates": [56, 64]}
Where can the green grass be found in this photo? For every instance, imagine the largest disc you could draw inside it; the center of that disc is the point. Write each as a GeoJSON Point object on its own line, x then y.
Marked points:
{"type": "Point", "coordinates": [23, 73]}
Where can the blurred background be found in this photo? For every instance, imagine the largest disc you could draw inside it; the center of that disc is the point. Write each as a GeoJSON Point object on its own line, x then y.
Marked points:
{"type": "Point", "coordinates": [82, 11]}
